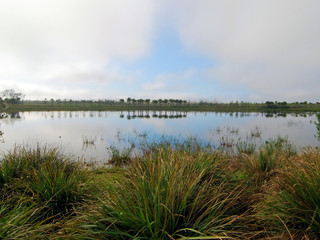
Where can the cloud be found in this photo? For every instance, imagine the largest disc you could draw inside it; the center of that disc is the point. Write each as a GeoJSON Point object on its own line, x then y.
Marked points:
{"type": "Point", "coordinates": [154, 86]}
{"type": "Point", "coordinates": [268, 81]}
{"type": "Point", "coordinates": [169, 81]}
{"type": "Point", "coordinates": [81, 48]}
{"type": "Point", "coordinates": [268, 46]}
{"type": "Point", "coordinates": [168, 94]}
{"type": "Point", "coordinates": [45, 40]}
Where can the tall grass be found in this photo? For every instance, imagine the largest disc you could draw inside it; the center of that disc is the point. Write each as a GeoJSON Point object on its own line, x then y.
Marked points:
{"type": "Point", "coordinates": [265, 163]}
{"type": "Point", "coordinates": [177, 189]}
{"type": "Point", "coordinates": [297, 203]}
{"type": "Point", "coordinates": [18, 221]}
{"type": "Point", "coordinates": [54, 181]}
{"type": "Point", "coordinates": [121, 157]}
{"type": "Point", "coordinates": [57, 185]}
{"type": "Point", "coordinates": [170, 194]}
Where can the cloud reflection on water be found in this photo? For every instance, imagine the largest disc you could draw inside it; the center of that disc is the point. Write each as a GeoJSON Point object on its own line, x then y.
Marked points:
{"type": "Point", "coordinates": [67, 129]}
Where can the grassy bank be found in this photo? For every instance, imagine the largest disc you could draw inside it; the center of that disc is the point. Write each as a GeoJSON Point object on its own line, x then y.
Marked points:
{"type": "Point", "coordinates": [190, 106]}
{"type": "Point", "coordinates": [169, 190]}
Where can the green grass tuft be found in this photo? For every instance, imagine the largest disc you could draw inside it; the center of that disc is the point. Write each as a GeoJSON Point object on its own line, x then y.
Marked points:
{"type": "Point", "coordinates": [169, 194]}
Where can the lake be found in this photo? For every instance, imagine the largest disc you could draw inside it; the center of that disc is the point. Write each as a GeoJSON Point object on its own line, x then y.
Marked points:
{"type": "Point", "coordinates": [90, 133]}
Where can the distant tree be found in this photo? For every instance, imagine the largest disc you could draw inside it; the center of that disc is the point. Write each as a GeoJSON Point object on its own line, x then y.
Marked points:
{"type": "Point", "coordinates": [11, 96]}
{"type": "Point", "coordinates": [155, 101]}
{"type": "Point", "coordinates": [121, 100]}
{"type": "Point", "coordinates": [147, 101]}
{"type": "Point", "coordinates": [129, 100]}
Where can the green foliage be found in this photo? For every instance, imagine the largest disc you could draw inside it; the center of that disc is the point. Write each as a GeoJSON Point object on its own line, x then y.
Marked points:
{"type": "Point", "coordinates": [297, 203]}
{"type": "Point", "coordinates": [58, 185]}
{"type": "Point", "coordinates": [53, 180]}
{"type": "Point", "coordinates": [246, 147]}
{"type": "Point", "coordinates": [262, 166]}
{"type": "Point", "coordinates": [169, 194]}
{"type": "Point", "coordinates": [121, 157]}
{"type": "Point", "coordinates": [18, 221]}
{"type": "Point", "coordinates": [174, 189]}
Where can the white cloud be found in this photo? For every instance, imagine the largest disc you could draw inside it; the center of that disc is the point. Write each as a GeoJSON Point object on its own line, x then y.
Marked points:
{"type": "Point", "coordinates": [56, 40]}
{"type": "Point", "coordinates": [76, 48]}
{"type": "Point", "coordinates": [168, 94]}
{"type": "Point", "coordinates": [169, 82]}
{"type": "Point", "coordinates": [154, 86]}
{"type": "Point", "coordinates": [268, 46]}
{"type": "Point", "coordinates": [175, 77]}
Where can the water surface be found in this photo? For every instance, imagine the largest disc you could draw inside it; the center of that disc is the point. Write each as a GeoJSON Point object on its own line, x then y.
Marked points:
{"type": "Point", "coordinates": [89, 134]}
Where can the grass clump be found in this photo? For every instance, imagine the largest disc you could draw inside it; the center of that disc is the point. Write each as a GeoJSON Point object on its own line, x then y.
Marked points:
{"type": "Point", "coordinates": [59, 184]}
{"type": "Point", "coordinates": [296, 205]}
{"type": "Point", "coordinates": [169, 194]}
{"type": "Point", "coordinates": [265, 163]}
{"type": "Point", "coordinates": [171, 190]}
{"type": "Point", "coordinates": [39, 186]}
{"type": "Point", "coordinates": [121, 157]}
{"type": "Point", "coordinates": [16, 221]}
{"type": "Point", "coordinates": [51, 178]}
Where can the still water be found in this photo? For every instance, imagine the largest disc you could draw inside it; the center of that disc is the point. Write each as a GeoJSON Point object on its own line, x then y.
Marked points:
{"type": "Point", "coordinates": [89, 134]}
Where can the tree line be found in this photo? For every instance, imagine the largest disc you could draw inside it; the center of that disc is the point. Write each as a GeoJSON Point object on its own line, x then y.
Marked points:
{"type": "Point", "coordinates": [155, 101]}
{"type": "Point", "coordinates": [10, 96]}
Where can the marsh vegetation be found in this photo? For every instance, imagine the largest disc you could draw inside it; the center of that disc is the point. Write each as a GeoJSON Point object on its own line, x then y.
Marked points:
{"type": "Point", "coordinates": [171, 190]}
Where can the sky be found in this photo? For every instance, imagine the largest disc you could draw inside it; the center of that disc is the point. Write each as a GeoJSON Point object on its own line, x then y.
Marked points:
{"type": "Point", "coordinates": [212, 50]}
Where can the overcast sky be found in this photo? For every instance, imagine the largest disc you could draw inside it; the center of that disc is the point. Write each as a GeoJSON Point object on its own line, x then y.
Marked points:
{"type": "Point", "coordinates": [224, 50]}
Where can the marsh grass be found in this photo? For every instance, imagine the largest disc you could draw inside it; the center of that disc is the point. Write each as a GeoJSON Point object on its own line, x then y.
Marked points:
{"type": "Point", "coordinates": [170, 189]}
{"type": "Point", "coordinates": [121, 157]}
{"type": "Point", "coordinates": [49, 179]}
{"type": "Point", "coordinates": [170, 194]}
{"type": "Point", "coordinates": [245, 147]}
{"type": "Point", "coordinates": [17, 221]}
{"type": "Point", "coordinates": [297, 202]}
{"type": "Point", "coordinates": [263, 164]}
{"type": "Point", "coordinates": [88, 142]}
{"type": "Point", "coordinates": [57, 185]}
